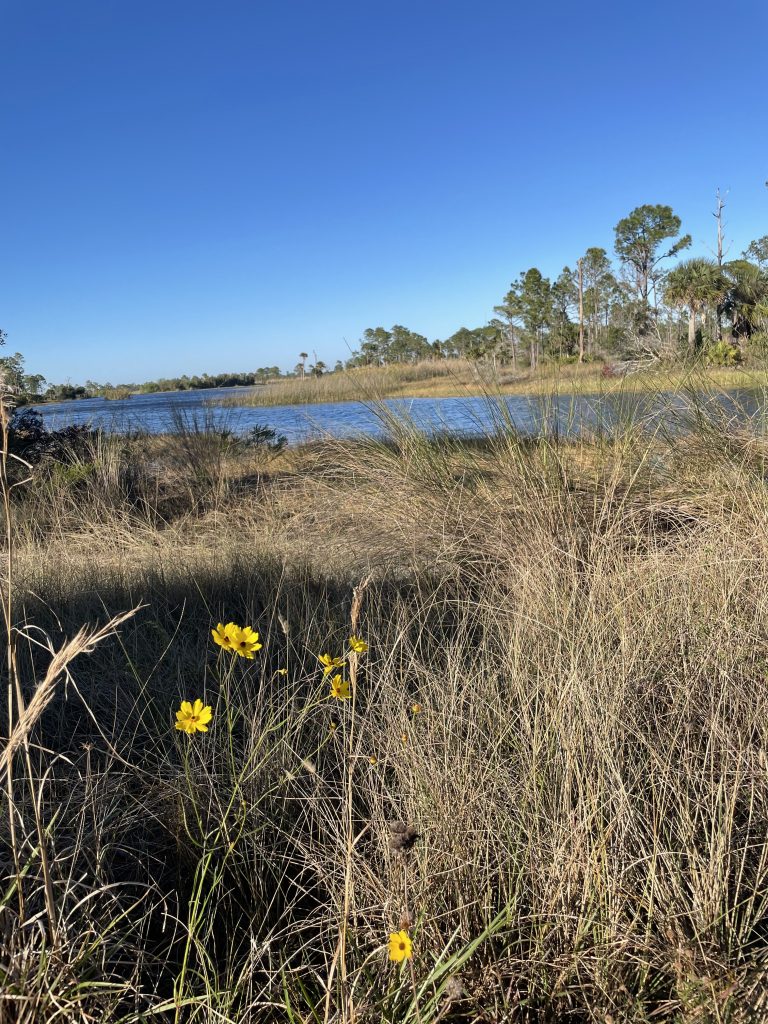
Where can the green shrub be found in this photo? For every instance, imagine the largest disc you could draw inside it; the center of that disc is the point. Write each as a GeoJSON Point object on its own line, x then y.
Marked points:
{"type": "Point", "coordinates": [723, 353]}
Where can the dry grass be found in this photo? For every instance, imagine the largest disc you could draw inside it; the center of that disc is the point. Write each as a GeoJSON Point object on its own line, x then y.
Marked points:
{"type": "Point", "coordinates": [583, 625]}
{"type": "Point", "coordinates": [400, 379]}
{"type": "Point", "coordinates": [461, 377]}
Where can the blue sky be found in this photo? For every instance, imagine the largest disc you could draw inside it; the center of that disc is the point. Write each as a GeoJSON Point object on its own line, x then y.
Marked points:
{"type": "Point", "coordinates": [200, 186]}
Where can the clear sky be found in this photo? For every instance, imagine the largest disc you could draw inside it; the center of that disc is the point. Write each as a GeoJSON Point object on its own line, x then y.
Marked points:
{"type": "Point", "coordinates": [211, 186]}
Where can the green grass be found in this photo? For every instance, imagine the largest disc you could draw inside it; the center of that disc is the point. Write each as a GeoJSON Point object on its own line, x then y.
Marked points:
{"type": "Point", "coordinates": [583, 625]}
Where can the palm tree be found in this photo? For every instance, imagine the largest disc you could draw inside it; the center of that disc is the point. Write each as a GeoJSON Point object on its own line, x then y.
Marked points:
{"type": "Point", "coordinates": [746, 298]}
{"type": "Point", "coordinates": [303, 356]}
{"type": "Point", "coordinates": [695, 284]}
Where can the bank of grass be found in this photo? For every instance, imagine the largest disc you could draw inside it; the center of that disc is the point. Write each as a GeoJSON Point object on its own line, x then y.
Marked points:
{"type": "Point", "coordinates": [564, 696]}
{"type": "Point", "coordinates": [460, 377]}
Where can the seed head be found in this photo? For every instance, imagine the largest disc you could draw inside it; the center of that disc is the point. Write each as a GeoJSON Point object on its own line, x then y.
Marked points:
{"type": "Point", "coordinates": [454, 990]}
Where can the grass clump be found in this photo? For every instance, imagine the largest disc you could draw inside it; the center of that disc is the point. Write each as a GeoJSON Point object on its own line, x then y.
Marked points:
{"type": "Point", "coordinates": [488, 730]}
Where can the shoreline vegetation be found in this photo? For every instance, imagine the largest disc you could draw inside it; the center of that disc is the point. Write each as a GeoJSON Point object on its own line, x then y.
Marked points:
{"type": "Point", "coordinates": [641, 312]}
{"type": "Point", "coordinates": [119, 394]}
{"type": "Point", "coordinates": [415, 729]}
{"type": "Point", "coordinates": [462, 378]}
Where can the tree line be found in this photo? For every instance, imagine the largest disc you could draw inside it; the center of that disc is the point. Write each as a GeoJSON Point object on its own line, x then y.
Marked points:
{"type": "Point", "coordinates": [641, 305]}
{"type": "Point", "coordinates": [34, 387]}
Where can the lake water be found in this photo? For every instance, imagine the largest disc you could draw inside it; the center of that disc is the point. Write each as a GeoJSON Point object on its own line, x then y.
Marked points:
{"type": "Point", "coordinates": [565, 413]}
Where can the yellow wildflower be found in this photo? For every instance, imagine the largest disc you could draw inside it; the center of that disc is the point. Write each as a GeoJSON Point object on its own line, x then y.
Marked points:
{"type": "Point", "coordinates": [282, 671]}
{"type": "Point", "coordinates": [358, 646]}
{"type": "Point", "coordinates": [415, 709]}
{"type": "Point", "coordinates": [329, 663]}
{"type": "Point", "coordinates": [223, 635]}
{"type": "Point", "coordinates": [339, 688]}
{"type": "Point", "coordinates": [192, 718]}
{"type": "Point", "coordinates": [245, 642]}
{"type": "Point", "coordinates": [400, 947]}
{"type": "Point", "coordinates": [372, 760]}
{"type": "Point", "coordinates": [404, 739]}
{"type": "Point", "coordinates": [332, 728]}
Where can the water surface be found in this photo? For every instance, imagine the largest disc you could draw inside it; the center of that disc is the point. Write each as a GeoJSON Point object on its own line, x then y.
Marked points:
{"type": "Point", "coordinates": [468, 415]}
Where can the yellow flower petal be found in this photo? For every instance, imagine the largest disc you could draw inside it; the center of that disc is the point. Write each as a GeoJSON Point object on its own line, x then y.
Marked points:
{"type": "Point", "coordinates": [329, 663]}
{"type": "Point", "coordinates": [339, 688]}
{"type": "Point", "coordinates": [400, 946]}
{"type": "Point", "coordinates": [192, 718]}
{"type": "Point", "coordinates": [222, 635]}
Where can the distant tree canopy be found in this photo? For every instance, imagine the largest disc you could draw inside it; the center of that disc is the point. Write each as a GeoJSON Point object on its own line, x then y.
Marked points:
{"type": "Point", "coordinates": [25, 385]}
{"type": "Point", "coordinates": [639, 244]}
{"type": "Point", "coordinates": [528, 309]}
{"type": "Point", "coordinates": [696, 285]}
{"type": "Point", "coordinates": [644, 306]}
{"type": "Point", "coordinates": [593, 308]}
{"type": "Point", "coordinates": [757, 252]}
{"type": "Point", "coordinates": [380, 347]}
{"type": "Point", "coordinates": [205, 380]}
{"type": "Point", "coordinates": [94, 389]}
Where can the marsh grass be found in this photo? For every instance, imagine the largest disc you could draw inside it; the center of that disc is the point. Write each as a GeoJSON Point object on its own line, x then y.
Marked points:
{"type": "Point", "coordinates": [362, 383]}
{"type": "Point", "coordinates": [582, 623]}
{"type": "Point", "coordinates": [463, 377]}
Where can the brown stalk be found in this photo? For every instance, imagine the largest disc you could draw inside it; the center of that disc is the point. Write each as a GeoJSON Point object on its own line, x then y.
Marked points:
{"type": "Point", "coordinates": [22, 717]}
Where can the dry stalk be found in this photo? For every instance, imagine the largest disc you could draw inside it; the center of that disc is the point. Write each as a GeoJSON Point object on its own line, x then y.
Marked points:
{"type": "Point", "coordinates": [84, 642]}
{"type": "Point", "coordinates": [6, 411]}
{"type": "Point", "coordinates": [22, 717]}
{"type": "Point", "coordinates": [340, 956]}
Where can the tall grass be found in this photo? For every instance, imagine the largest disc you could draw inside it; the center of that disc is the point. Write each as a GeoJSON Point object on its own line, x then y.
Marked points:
{"type": "Point", "coordinates": [461, 377]}
{"type": "Point", "coordinates": [365, 383]}
{"type": "Point", "coordinates": [564, 707]}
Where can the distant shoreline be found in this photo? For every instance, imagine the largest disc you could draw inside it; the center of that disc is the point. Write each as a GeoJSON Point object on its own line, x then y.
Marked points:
{"type": "Point", "coordinates": [137, 394]}
{"type": "Point", "coordinates": [467, 381]}
{"type": "Point", "coordinates": [406, 381]}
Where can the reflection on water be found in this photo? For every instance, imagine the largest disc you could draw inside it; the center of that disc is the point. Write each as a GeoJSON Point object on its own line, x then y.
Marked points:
{"type": "Point", "coordinates": [564, 414]}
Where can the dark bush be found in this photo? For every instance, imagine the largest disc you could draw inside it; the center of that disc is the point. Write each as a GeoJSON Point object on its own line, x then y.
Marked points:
{"type": "Point", "coordinates": [31, 440]}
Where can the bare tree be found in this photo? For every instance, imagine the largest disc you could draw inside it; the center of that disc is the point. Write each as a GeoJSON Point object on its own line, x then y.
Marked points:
{"type": "Point", "coordinates": [718, 215]}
